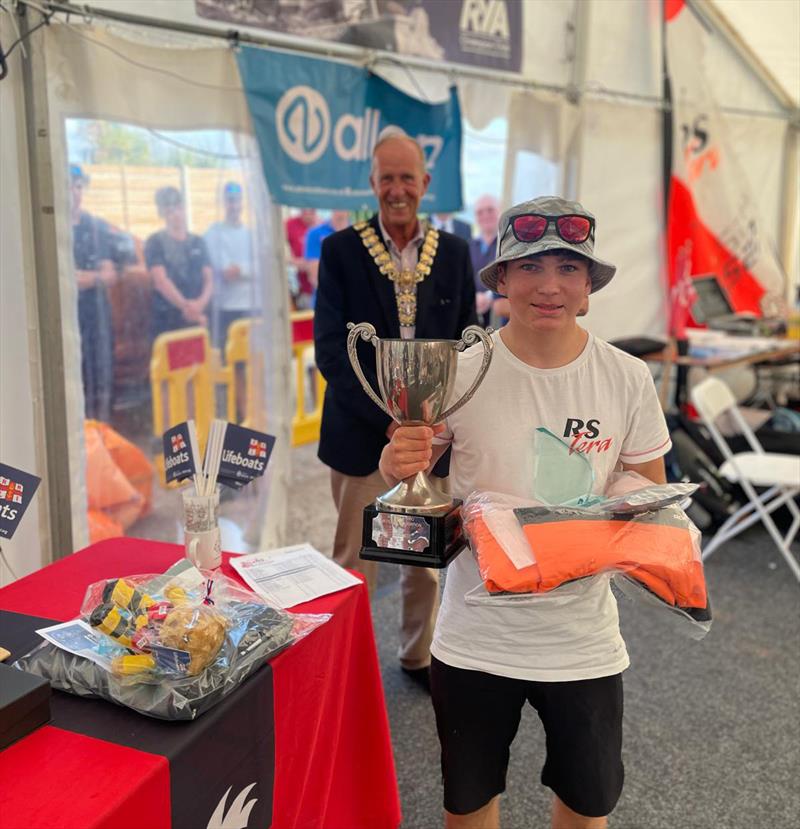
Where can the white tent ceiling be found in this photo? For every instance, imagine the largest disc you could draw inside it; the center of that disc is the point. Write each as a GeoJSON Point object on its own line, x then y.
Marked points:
{"type": "Point", "coordinates": [772, 31]}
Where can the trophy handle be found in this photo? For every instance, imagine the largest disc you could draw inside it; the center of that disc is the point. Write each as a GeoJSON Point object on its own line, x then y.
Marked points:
{"type": "Point", "coordinates": [471, 335]}
{"type": "Point", "coordinates": [367, 332]}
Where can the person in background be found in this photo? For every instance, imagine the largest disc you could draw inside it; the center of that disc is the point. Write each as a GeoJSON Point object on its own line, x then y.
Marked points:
{"type": "Point", "coordinates": [296, 229]}
{"type": "Point", "coordinates": [94, 271]}
{"type": "Point", "coordinates": [408, 280]}
{"type": "Point", "coordinates": [448, 223]}
{"type": "Point", "coordinates": [230, 250]}
{"type": "Point", "coordinates": [339, 220]}
{"type": "Point", "coordinates": [481, 252]}
{"type": "Point", "coordinates": [179, 267]}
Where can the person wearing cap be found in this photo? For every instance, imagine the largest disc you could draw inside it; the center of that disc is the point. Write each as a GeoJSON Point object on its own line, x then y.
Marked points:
{"type": "Point", "coordinates": [230, 249]}
{"type": "Point", "coordinates": [409, 280]}
{"type": "Point", "coordinates": [566, 656]}
{"type": "Point", "coordinates": [94, 272]}
{"type": "Point", "coordinates": [179, 267]}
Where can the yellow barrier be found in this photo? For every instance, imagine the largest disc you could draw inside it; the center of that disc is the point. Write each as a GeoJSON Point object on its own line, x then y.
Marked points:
{"type": "Point", "coordinates": [305, 423]}
{"type": "Point", "coordinates": [240, 393]}
{"type": "Point", "coordinates": [183, 362]}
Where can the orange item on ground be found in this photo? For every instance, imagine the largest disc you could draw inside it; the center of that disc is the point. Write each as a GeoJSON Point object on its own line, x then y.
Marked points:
{"type": "Point", "coordinates": [131, 460]}
{"type": "Point", "coordinates": [655, 548]}
{"type": "Point", "coordinates": [118, 480]}
{"type": "Point", "coordinates": [101, 527]}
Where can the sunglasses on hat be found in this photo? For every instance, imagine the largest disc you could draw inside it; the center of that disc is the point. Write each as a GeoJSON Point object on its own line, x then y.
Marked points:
{"type": "Point", "coordinates": [573, 228]}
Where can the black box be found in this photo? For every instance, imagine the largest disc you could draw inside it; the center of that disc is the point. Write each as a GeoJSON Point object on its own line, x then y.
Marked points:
{"type": "Point", "coordinates": [24, 703]}
{"type": "Point", "coordinates": [419, 540]}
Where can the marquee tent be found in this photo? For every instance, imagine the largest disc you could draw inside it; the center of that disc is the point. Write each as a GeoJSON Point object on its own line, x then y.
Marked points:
{"type": "Point", "coordinates": [589, 98]}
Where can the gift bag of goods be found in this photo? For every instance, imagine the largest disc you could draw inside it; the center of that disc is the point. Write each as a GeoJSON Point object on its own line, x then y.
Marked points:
{"type": "Point", "coordinates": [638, 533]}
{"type": "Point", "coordinates": [170, 646]}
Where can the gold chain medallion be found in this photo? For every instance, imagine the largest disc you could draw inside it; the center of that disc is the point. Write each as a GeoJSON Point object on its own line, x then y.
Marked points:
{"type": "Point", "coordinates": [406, 281]}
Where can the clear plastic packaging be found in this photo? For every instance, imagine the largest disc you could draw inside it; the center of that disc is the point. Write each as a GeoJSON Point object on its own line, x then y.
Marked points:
{"type": "Point", "coordinates": [637, 532]}
{"type": "Point", "coordinates": [170, 646]}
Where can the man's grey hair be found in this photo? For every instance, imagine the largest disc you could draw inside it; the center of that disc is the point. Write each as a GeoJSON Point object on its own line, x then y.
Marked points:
{"type": "Point", "coordinates": [395, 133]}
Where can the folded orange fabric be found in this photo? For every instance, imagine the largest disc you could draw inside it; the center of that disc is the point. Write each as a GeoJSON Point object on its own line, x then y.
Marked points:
{"type": "Point", "coordinates": [655, 548]}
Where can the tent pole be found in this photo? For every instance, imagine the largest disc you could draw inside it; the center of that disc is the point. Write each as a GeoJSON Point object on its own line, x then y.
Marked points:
{"type": "Point", "coordinates": [56, 479]}
{"type": "Point", "coordinates": [787, 241]}
{"type": "Point", "coordinates": [573, 163]}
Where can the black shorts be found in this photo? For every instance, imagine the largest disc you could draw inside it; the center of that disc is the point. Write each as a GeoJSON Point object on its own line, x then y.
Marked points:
{"type": "Point", "coordinates": [477, 716]}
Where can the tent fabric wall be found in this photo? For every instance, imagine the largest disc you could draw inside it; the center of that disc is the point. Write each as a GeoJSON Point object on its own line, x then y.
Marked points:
{"type": "Point", "coordinates": [617, 184]}
{"type": "Point", "coordinates": [173, 88]}
{"type": "Point", "coordinates": [21, 425]}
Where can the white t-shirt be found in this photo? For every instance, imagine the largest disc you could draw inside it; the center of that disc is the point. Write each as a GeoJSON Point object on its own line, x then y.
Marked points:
{"type": "Point", "coordinates": [232, 245]}
{"type": "Point", "coordinates": [572, 633]}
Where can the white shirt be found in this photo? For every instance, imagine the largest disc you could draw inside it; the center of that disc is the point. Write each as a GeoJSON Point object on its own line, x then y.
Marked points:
{"type": "Point", "coordinates": [572, 633]}
{"type": "Point", "coordinates": [404, 260]}
{"type": "Point", "coordinates": [232, 245]}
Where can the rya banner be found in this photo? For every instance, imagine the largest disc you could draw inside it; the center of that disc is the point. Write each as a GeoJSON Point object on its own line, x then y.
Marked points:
{"type": "Point", "coordinates": [317, 122]}
{"type": "Point", "coordinates": [17, 489]}
{"type": "Point", "coordinates": [713, 226]}
{"type": "Point", "coordinates": [476, 32]}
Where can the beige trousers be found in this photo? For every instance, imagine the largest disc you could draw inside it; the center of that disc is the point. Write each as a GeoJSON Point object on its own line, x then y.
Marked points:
{"type": "Point", "coordinates": [419, 585]}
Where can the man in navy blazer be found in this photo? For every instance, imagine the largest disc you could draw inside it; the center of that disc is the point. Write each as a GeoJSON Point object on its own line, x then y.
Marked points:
{"type": "Point", "coordinates": [353, 289]}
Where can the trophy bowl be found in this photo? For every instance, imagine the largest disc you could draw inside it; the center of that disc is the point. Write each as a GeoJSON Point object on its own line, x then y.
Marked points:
{"type": "Point", "coordinates": [415, 379]}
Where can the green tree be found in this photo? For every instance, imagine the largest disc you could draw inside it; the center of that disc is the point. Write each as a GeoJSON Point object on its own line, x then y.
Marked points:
{"type": "Point", "coordinates": [120, 144]}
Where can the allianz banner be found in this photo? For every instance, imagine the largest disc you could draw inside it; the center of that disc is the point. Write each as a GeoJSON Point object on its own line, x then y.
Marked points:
{"type": "Point", "coordinates": [317, 121]}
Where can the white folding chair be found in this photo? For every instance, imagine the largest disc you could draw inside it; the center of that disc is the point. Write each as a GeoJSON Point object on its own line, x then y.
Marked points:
{"type": "Point", "coordinates": [778, 472]}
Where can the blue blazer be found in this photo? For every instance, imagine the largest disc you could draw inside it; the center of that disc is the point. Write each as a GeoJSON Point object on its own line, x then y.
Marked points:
{"type": "Point", "coordinates": [351, 289]}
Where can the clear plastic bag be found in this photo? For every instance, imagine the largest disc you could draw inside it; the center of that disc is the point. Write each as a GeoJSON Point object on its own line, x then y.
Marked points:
{"type": "Point", "coordinates": [526, 550]}
{"type": "Point", "coordinates": [170, 646]}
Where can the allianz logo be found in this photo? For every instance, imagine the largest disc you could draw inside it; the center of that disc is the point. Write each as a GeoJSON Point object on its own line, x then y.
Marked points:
{"type": "Point", "coordinates": [303, 123]}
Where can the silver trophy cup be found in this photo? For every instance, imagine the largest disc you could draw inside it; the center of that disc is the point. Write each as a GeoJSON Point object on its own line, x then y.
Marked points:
{"type": "Point", "coordinates": [416, 378]}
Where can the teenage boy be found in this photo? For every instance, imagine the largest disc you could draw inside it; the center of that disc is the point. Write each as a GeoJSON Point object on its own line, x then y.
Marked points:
{"type": "Point", "coordinates": [566, 655]}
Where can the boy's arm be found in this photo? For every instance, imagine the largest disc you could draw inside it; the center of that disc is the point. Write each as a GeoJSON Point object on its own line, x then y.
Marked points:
{"type": "Point", "coordinates": [652, 470]}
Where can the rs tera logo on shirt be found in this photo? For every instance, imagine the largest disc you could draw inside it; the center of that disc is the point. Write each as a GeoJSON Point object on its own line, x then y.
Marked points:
{"type": "Point", "coordinates": [585, 436]}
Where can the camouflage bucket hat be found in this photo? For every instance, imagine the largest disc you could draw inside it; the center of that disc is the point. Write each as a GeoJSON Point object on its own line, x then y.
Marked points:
{"type": "Point", "coordinates": [509, 247]}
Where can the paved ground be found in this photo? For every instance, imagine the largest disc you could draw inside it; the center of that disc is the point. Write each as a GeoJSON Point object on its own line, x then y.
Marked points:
{"type": "Point", "coordinates": [712, 728]}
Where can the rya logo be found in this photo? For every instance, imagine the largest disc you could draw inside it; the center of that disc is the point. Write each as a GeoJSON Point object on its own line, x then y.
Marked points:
{"type": "Point", "coordinates": [10, 491]}
{"type": "Point", "coordinates": [485, 17]}
{"type": "Point", "coordinates": [585, 436]}
{"type": "Point", "coordinates": [237, 814]}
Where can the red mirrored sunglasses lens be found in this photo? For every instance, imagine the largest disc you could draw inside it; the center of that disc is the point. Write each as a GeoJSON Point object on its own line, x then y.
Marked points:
{"type": "Point", "coordinates": [574, 228]}
{"type": "Point", "coordinates": [529, 228]}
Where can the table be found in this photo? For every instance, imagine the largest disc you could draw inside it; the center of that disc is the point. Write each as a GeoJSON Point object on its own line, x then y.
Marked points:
{"type": "Point", "coordinates": [306, 736]}
{"type": "Point", "coordinates": [669, 356]}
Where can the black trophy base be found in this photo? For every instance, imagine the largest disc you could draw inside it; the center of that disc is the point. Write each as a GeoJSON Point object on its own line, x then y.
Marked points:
{"type": "Point", "coordinates": [419, 540]}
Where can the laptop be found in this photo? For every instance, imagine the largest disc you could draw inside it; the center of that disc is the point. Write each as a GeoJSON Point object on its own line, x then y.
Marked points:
{"type": "Point", "coordinates": [712, 307]}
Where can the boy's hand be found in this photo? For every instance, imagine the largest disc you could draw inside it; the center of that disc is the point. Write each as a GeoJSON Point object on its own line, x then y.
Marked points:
{"type": "Point", "coordinates": [409, 451]}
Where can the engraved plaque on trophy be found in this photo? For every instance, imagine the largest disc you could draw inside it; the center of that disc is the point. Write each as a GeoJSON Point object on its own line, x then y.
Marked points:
{"type": "Point", "coordinates": [414, 522]}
